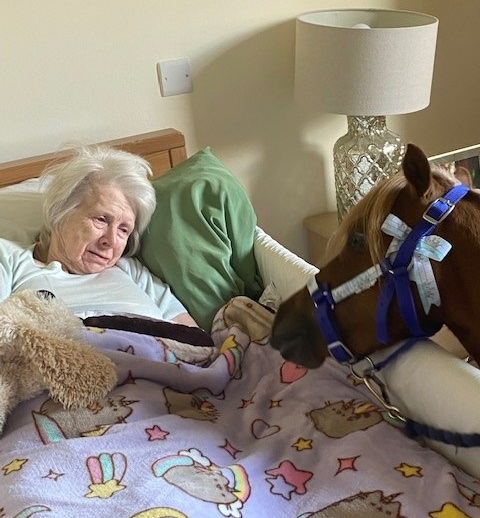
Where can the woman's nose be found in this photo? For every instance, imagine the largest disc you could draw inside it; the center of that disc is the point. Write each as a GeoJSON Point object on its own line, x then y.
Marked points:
{"type": "Point", "coordinates": [109, 236]}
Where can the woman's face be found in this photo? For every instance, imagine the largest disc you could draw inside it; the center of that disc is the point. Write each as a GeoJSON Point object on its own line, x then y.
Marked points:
{"type": "Point", "coordinates": [93, 237]}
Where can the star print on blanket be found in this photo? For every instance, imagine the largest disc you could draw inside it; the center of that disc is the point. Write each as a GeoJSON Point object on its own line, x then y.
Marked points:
{"type": "Point", "coordinates": [229, 430]}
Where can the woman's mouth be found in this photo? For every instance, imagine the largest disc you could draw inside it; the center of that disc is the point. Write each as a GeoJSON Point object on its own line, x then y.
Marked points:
{"type": "Point", "coordinates": [97, 258]}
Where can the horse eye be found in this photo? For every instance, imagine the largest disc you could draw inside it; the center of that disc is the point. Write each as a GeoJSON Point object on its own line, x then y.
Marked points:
{"type": "Point", "coordinates": [356, 240]}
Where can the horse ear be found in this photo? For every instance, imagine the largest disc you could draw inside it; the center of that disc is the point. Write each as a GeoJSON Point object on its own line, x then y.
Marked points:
{"type": "Point", "coordinates": [463, 175]}
{"type": "Point", "coordinates": [417, 169]}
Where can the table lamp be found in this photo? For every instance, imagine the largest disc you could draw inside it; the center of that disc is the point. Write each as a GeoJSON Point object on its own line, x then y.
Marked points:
{"type": "Point", "coordinates": [365, 64]}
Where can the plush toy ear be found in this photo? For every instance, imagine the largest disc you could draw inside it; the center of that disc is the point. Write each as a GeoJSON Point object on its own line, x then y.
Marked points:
{"type": "Point", "coordinates": [75, 373]}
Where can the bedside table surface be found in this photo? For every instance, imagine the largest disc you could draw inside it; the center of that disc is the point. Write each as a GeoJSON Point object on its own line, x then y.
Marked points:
{"type": "Point", "coordinates": [324, 224]}
{"type": "Point", "coordinates": [319, 228]}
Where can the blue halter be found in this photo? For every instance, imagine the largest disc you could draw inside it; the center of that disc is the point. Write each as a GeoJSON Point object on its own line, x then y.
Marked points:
{"type": "Point", "coordinates": [396, 273]}
{"type": "Point", "coordinates": [397, 283]}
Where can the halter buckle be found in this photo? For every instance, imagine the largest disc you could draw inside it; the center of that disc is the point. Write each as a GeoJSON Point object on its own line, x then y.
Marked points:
{"type": "Point", "coordinates": [431, 218]}
{"type": "Point", "coordinates": [340, 352]}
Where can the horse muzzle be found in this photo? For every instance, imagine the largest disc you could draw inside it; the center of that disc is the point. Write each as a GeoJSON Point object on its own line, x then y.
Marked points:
{"type": "Point", "coordinates": [297, 339]}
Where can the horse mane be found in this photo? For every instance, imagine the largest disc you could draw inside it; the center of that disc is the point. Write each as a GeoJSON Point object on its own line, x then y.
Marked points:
{"type": "Point", "coordinates": [368, 216]}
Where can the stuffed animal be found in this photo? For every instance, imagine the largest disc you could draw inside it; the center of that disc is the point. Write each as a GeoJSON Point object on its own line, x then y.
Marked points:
{"type": "Point", "coordinates": [41, 349]}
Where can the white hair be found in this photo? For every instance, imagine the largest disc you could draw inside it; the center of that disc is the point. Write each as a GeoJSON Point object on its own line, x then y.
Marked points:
{"type": "Point", "coordinates": [68, 183]}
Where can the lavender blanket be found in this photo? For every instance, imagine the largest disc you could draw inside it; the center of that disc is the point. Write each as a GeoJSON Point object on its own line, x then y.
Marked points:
{"type": "Point", "coordinates": [224, 431]}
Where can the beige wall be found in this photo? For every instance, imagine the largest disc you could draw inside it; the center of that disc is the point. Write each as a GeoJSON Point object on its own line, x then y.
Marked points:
{"type": "Point", "coordinates": [449, 122]}
{"type": "Point", "coordinates": [86, 70]}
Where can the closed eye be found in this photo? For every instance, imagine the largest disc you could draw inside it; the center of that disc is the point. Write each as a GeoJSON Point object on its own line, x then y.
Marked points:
{"type": "Point", "coordinates": [126, 231]}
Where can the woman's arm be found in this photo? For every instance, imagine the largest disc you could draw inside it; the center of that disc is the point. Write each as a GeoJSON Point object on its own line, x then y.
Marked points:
{"type": "Point", "coordinates": [185, 319]}
{"type": "Point", "coordinates": [158, 291]}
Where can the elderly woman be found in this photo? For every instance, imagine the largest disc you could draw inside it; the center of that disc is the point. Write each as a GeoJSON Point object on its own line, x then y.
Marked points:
{"type": "Point", "coordinates": [97, 204]}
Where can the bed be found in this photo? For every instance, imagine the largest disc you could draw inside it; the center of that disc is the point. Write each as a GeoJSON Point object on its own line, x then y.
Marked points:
{"type": "Point", "coordinates": [221, 428]}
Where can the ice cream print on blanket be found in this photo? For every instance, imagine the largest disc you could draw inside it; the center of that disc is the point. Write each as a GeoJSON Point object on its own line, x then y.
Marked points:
{"type": "Point", "coordinates": [236, 432]}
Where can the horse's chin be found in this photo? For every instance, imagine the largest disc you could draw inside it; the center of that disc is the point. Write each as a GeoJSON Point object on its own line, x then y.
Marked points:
{"type": "Point", "coordinates": [293, 350]}
{"type": "Point", "coordinates": [308, 363]}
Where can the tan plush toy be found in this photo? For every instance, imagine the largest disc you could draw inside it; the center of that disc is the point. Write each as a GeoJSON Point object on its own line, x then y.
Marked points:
{"type": "Point", "coordinates": [41, 349]}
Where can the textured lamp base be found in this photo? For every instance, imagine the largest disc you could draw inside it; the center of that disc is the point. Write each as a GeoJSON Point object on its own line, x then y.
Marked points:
{"type": "Point", "coordinates": [368, 152]}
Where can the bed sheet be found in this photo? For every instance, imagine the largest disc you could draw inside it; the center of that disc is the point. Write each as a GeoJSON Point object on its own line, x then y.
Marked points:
{"type": "Point", "coordinates": [226, 431]}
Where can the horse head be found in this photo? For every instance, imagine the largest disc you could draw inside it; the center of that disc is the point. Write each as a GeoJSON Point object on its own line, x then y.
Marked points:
{"type": "Point", "coordinates": [361, 244]}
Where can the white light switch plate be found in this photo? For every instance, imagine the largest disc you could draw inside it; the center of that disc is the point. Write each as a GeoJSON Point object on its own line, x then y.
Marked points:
{"type": "Point", "coordinates": [175, 76]}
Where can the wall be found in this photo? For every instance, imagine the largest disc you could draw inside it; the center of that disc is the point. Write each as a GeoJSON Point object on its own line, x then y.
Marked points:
{"type": "Point", "coordinates": [86, 70]}
{"type": "Point", "coordinates": [449, 122]}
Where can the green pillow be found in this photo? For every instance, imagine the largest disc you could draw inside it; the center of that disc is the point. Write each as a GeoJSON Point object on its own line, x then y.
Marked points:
{"type": "Point", "coordinates": [200, 238]}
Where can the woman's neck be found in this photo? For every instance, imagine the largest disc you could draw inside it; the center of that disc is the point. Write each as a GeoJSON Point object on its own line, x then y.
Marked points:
{"type": "Point", "coordinates": [39, 253]}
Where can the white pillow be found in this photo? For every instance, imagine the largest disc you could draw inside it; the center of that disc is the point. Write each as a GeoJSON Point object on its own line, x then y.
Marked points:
{"type": "Point", "coordinates": [21, 211]}
{"type": "Point", "coordinates": [433, 387]}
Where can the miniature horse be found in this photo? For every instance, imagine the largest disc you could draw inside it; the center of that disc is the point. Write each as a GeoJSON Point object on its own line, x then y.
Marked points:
{"type": "Point", "coordinates": [358, 323]}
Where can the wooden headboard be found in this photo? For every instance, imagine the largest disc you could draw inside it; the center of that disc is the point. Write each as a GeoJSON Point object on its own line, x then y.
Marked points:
{"type": "Point", "coordinates": [163, 149]}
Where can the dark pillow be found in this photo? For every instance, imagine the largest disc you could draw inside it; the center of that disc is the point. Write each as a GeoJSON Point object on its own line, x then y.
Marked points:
{"type": "Point", "coordinates": [200, 238]}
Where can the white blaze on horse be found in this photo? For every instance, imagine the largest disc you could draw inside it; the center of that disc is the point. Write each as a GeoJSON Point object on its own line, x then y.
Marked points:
{"type": "Point", "coordinates": [406, 263]}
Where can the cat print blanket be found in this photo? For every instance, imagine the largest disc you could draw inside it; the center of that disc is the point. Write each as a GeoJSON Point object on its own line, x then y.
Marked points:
{"type": "Point", "coordinates": [229, 430]}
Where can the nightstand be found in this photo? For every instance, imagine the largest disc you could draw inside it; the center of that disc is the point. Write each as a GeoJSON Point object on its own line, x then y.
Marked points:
{"type": "Point", "coordinates": [319, 229]}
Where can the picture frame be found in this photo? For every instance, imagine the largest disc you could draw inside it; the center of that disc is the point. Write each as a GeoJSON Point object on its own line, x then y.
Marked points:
{"type": "Point", "coordinates": [468, 157]}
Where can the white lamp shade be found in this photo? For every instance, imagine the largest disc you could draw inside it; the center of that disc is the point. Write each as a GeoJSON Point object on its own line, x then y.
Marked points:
{"type": "Point", "coordinates": [384, 66]}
